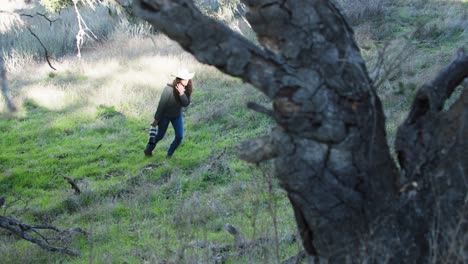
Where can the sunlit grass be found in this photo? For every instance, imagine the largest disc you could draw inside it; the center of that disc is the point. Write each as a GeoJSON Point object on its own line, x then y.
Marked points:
{"type": "Point", "coordinates": [107, 76]}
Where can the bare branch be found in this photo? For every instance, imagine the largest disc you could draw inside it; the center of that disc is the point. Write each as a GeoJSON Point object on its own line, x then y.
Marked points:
{"type": "Point", "coordinates": [39, 14]}
{"type": "Point", "coordinates": [3, 76]}
{"type": "Point", "coordinates": [389, 62]}
{"type": "Point", "coordinates": [26, 15]}
{"type": "Point", "coordinates": [73, 184]}
{"type": "Point", "coordinates": [31, 16]}
{"type": "Point", "coordinates": [24, 231]}
{"type": "Point", "coordinates": [47, 56]}
{"type": "Point", "coordinates": [83, 29]}
{"type": "Point", "coordinates": [45, 49]}
{"type": "Point", "coordinates": [48, 19]}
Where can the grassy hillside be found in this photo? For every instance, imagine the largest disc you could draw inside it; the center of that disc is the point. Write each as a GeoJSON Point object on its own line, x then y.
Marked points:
{"type": "Point", "coordinates": [89, 121]}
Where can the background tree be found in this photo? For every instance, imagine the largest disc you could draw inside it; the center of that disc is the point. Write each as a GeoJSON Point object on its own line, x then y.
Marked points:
{"type": "Point", "coordinates": [4, 86]}
{"type": "Point", "coordinates": [351, 200]}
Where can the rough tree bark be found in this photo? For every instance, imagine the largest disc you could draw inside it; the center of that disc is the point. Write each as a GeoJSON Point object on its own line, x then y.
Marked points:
{"type": "Point", "coordinates": [330, 148]}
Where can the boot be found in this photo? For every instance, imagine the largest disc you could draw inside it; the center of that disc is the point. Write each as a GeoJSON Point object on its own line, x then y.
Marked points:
{"type": "Point", "coordinates": [148, 153]}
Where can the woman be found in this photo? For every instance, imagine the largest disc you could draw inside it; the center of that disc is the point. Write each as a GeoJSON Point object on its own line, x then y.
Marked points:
{"type": "Point", "coordinates": [173, 98]}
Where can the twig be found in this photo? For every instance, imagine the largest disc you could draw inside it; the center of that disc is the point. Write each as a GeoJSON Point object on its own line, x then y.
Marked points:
{"type": "Point", "coordinates": [22, 230]}
{"type": "Point", "coordinates": [42, 15]}
{"type": "Point", "coordinates": [10, 204]}
{"type": "Point", "coordinates": [45, 49]}
{"type": "Point", "coordinates": [11, 107]}
{"type": "Point", "coordinates": [26, 15]}
{"type": "Point", "coordinates": [386, 66]}
{"type": "Point", "coordinates": [31, 16]}
{"type": "Point", "coordinates": [261, 109]}
{"type": "Point", "coordinates": [48, 19]}
{"type": "Point", "coordinates": [73, 184]}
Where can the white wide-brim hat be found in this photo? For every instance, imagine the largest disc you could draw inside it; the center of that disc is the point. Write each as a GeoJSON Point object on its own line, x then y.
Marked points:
{"type": "Point", "coordinates": [184, 74]}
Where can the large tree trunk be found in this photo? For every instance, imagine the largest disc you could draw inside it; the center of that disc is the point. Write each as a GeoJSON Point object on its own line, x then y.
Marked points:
{"type": "Point", "coordinates": [330, 148]}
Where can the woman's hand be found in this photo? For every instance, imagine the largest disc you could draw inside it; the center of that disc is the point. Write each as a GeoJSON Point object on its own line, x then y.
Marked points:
{"type": "Point", "coordinates": [154, 123]}
{"type": "Point", "coordinates": [180, 88]}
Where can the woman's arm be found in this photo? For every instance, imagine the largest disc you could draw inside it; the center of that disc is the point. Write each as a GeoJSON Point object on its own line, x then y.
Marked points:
{"type": "Point", "coordinates": [162, 104]}
{"type": "Point", "coordinates": [184, 100]}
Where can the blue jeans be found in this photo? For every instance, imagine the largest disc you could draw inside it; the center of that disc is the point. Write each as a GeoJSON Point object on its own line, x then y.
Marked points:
{"type": "Point", "coordinates": [163, 124]}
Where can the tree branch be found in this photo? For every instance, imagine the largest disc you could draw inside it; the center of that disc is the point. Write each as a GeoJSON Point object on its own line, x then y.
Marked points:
{"type": "Point", "coordinates": [23, 230]}
{"type": "Point", "coordinates": [82, 30]}
{"type": "Point", "coordinates": [417, 134]}
{"type": "Point", "coordinates": [25, 15]}
{"type": "Point", "coordinates": [73, 184]}
{"type": "Point", "coordinates": [48, 19]}
{"type": "Point", "coordinates": [285, 27]}
{"type": "Point", "coordinates": [39, 14]}
{"type": "Point", "coordinates": [45, 49]}
{"type": "Point", "coordinates": [432, 96]}
{"type": "Point", "coordinates": [213, 43]}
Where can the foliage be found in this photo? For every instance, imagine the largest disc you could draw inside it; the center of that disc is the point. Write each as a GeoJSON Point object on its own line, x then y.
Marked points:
{"type": "Point", "coordinates": [54, 6]}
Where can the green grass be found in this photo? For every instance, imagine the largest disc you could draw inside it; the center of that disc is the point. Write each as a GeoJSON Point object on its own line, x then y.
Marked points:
{"type": "Point", "coordinates": [137, 208]}
{"type": "Point", "coordinates": [123, 192]}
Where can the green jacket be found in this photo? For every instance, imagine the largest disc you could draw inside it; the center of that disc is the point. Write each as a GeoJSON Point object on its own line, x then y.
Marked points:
{"type": "Point", "coordinates": [169, 106]}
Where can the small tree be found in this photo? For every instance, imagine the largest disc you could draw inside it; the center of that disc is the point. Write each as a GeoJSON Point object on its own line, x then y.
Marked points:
{"type": "Point", "coordinates": [352, 203]}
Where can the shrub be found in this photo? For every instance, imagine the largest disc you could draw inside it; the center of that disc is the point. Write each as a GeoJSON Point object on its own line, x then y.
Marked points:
{"type": "Point", "coordinates": [56, 5]}
{"type": "Point", "coordinates": [106, 112]}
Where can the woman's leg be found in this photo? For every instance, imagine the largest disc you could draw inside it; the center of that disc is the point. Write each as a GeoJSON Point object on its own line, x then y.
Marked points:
{"type": "Point", "coordinates": [162, 128]}
{"type": "Point", "coordinates": [178, 125]}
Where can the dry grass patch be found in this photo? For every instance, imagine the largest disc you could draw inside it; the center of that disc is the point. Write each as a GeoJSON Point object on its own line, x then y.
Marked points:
{"type": "Point", "coordinates": [129, 77]}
